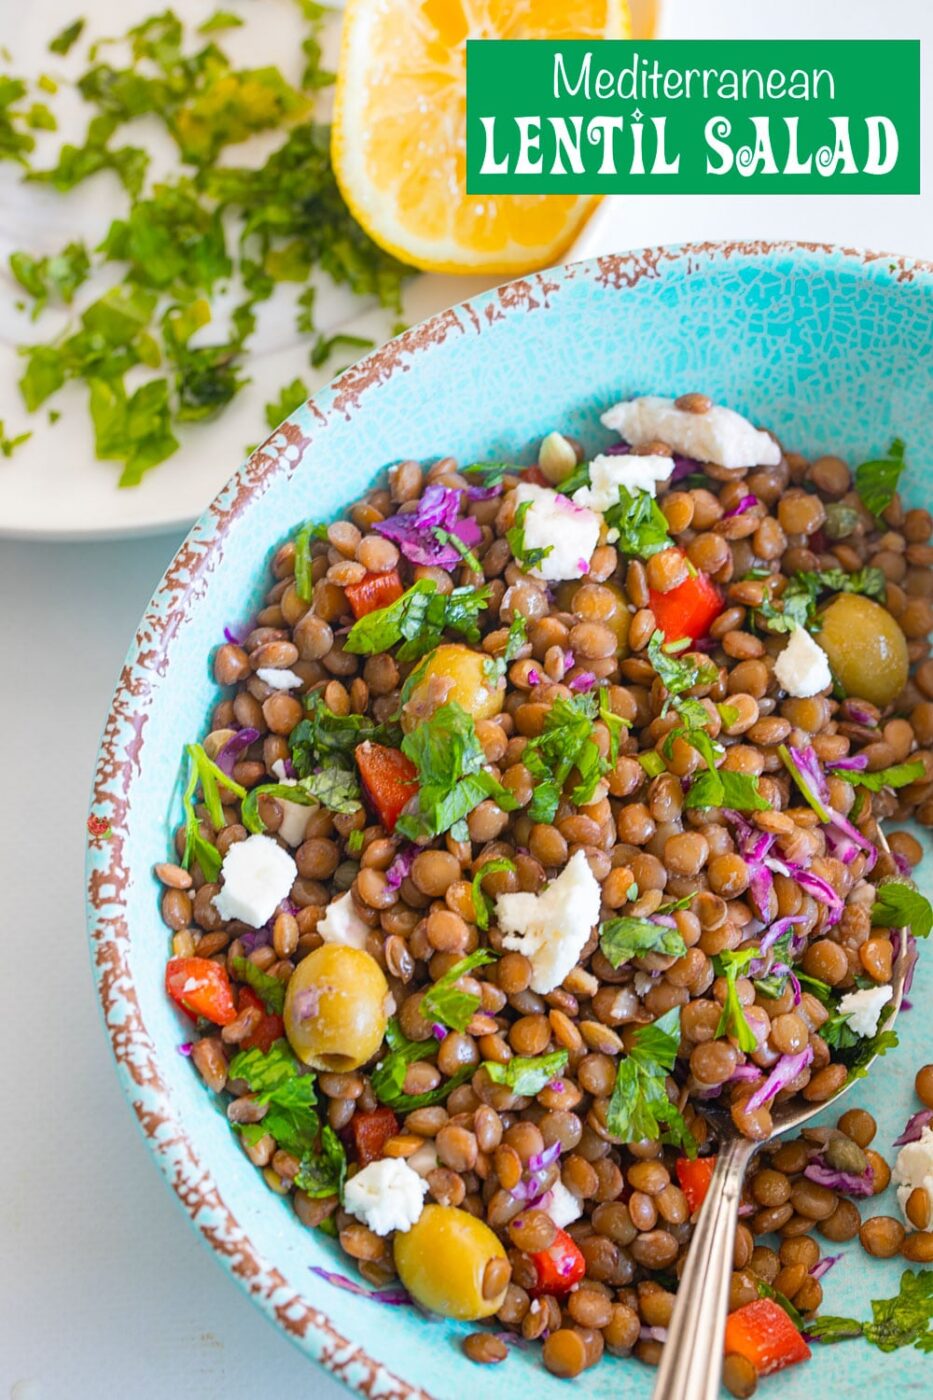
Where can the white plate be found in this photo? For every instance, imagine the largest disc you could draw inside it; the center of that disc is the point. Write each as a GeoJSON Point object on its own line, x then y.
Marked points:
{"type": "Point", "coordinates": [53, 487]}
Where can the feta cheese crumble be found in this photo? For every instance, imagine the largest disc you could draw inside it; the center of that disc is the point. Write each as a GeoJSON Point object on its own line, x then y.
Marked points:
{"type": "Point", "coordinates": [561, 1205]}
{"type": "Point", "coordinates": [720, 435]}
{"type": "Point", "coordinates": [862, 1009]}
{"type": "Point", "coordinates": [257, 876]}
{"type": "Point", "coordinates": [571, 532]}
{"type": "Point", "coordinates": [913, 1167]}
{"type": "Point", "coordinates": [277, 678]}
{"type": "Point", "coordinates": [386, 1195]}
{"type": "Point", "coordinates": [607, 474]}
{"type": "Point", "coordinates": [802, 667]}
{"type": "Point", "coordinates": [551, 928]}
{"type": "Point", "coordinates": [294, 816]}
{"type": "Point", "coordinates": [342, 924]}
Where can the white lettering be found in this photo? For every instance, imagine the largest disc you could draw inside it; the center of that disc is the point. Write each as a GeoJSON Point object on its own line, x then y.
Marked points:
{"type": "Point", "coordinates": [716, 129]}
{"type": "Point", "coordinates": [877, 163]}
{"type": "Point", "coordinates": [661, 165]}
{"type": "Point", "coordinates": [829, 158]}
{"type": "Point", "coordinates": [567, 145]}
{"type": "Point", "coordinates": [490, 165]}
{"type": "Point", "coordinates": [794, 165]}
{"type": "Point", "coordinates": [601, 131]}
{"type": "Point", "coordinates": [749, 160]}
{"type": "Point", "coordinates": [583, 81]}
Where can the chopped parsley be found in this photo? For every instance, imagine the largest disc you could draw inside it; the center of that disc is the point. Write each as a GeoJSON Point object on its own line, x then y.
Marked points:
{"type": "Point", "coordinates": [491, 473]}
{"type": "Point", "coordinates": [678, 674]}
{"type": "Point", "coordinates": [8, 445]}
{"type": "Point", "coordinates": [642, 525]}
{"type": "Point", "coordinates": [57, 276]}
{"type": "Point", "coordinates": [327, 345]}
{"type": "Point", "coordinates": [291, 397]}
{"type": "Point", "coordinates": [452, 776]}
{"type": "Point", "coordinates": [449, 1004]}
{"type": "Point", "coordinates": [304, 583]}
{"type": "Point", "coordinates": [853, 1050]}
{"type": "Point", "coordinates": [276, 1079]}
{"type": "Point", "coordinates": [67, 37]}
{"type": "Point", "coordinates": [640, 1106]}
{"type": "Point", "coordinates": [527, 558]}
{"type": "Point", "coordinates": [732, 1020]}
{"type": "Point", "coordinates": [388, 1078]}
{"type": "Point", "coordinates": [220, 19]}
{"type": "Point", "coordinates": [270, 989]}
{"type": "Point", "coordinates": [328, 740]}
{"type": "Point", "coordinates": [336, 788]}
{"type": "Point", "coordinates": [876, 482]}
{"type": "Point", "coordinates": [203, 770]}
{"type": "Point", "coordinates": [800, 599]}
{"type": "Point", "coordinates": [495, 667]}
{"type": "Point", "coordinates": [902, 1321]}
{"type": "Point", "coordinates": [625, 938]}
{"type": "Point", "coordinates": [721, 787]}
{"type": "Point", "coordinates": [566, 742]}
{"type": "Point", "coordinates": [900, 905]}
{"type": "Point", "coordinates": [418, 620]}
{"type": "Point", "coordinates": [897, 776]}
{"type": "Point", "coordinates": [527, 1077]}
{"type": "Point", "coordinates": [482, 904]}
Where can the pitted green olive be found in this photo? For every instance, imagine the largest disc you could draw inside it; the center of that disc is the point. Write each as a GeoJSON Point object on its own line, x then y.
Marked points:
{"type": "Point", "coordinates": [335, 1008]}
{"type": "Point", "coordinates": [867, 650]}
{"type": "Point", "coordinates": [442, 1262]}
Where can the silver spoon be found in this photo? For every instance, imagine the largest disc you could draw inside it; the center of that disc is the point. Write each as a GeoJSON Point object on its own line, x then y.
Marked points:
{"type": "Point", "coordinates": [691, 1363]}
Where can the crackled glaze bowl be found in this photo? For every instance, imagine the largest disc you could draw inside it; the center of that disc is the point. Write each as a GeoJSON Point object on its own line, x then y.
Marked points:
{"type": "Point", "coordinates": [831, 349]}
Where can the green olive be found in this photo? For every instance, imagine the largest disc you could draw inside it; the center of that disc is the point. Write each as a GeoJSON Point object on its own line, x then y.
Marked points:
{"type": "Point", "coordinates": [442, 1260]}
{"type": "Point", "coordinates": [335, 1008]}
{"type": "Point", "coordinates": [470, 686]}
{"type": "Point", "coordinates": [867, 650]}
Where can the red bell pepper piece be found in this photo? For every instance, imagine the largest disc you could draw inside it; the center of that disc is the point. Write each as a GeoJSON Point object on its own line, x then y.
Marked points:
{"type": "Point", "coordinates": [389, 778]}
{"type": "Point", "coordinates": [559, 1267]}
{"type": "Point", "coordinates": [694, 1178]}
{"type": "Point", "coordinates": [201, 988]}
{"type": "Point", "coordinates": [373, 591]}
{"type": "Point", "coordinates": [763, 1333]}
{"type": "Point", "coordinates": [371, 1132]}
{"type": "Point", "coordinates": [269, 1028]}
{"type": "Point", "coordinates": [689, 610]}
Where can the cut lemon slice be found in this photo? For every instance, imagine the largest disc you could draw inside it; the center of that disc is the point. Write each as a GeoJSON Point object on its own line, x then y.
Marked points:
{"type": "Point", "coordinates": [400, 122]}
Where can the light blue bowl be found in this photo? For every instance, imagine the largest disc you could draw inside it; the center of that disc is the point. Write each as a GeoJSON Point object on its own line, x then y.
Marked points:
{"type": "Point", "coordinates": [829, 348]}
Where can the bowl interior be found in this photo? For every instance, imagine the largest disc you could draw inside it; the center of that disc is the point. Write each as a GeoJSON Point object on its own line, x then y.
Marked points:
{"type": "Point", "coordinates": [824, 347]}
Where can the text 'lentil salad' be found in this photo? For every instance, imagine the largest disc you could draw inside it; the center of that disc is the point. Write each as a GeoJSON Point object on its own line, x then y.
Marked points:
{"type": "Point", "coordinates": [542, 807]}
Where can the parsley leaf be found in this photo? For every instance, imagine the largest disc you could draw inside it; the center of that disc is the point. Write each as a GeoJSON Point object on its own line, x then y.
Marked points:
{"type": "Point", "coordinates": [418, 619]}
{"type": "Point", "coordinates": [721, 787]}
{"type": "Point", "coordinates": [325, 346]}
{"type": "Point", "coordinates": [8, 445]}
{"type": "Point", "coordinates": [323, 1171]}
{"type": "Point", "coordinates": [327, 740]}
{"type": "Point", "coordinates": [64, 40]}
{"type": "Point", "coordinates": [56, 275]}
{"type": "Point", "coordinates": [204, 771]}
{"type": "Point", "coordinates": [876, 481]}
{"type": "Point", "coordinates": [642, 525]}
{"type": "Point", "coordinates": [491, 473]}
{"type": "Point", "coordinates": [482, 904]}
{"type": "Point", "coordinates": [896, 1322]}
{"type": "Point", "coordinates": [897, 776]}
{"type": "Point", "coordinates": [452, 776]}
{"type": "Point", "coordinates": [291, 397]}
{"type": "Point", "coordinates": [304, 583]}
{"type": "Point", "coordinates": [674, 673]}
{"type": "Point", "coordinates": [220, 19]}
{"type": "Point", "coordinates": [640, 1106]}
{"type": "Point", "coordinates": [625, 938]}
{"type": "Point", "coordinates": [388, 1078]}
{"type": "Point", "coordinates": [899, 905]}
{"type": "Point", "coordinates": [337, 789]}
{"type": "Point", "coordinates": [271, 989]}
{"type": "Point", "coordinates": [566, 742]}
{"type": "Point", "coordinates": [799, 601]}
{"type": "Point", "coordinates": [853, 1050]}
{"type": "Point", "coordinates": [276, 1079]}
{"type": "Point", "coordinates": [444, 1001]}
{"type": "Point", "coordinates": [732, 1020]}
{"type": "Point", "coordinates": [527, 558]}
{"type": "Point", "coordinates": [527, 1077]}
{"type": "Point", "coordinates": [765, 1290]}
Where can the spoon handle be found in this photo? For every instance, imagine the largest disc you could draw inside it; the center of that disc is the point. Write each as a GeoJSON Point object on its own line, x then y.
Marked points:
{"type": "Point", "coordinates": [691, 1364]}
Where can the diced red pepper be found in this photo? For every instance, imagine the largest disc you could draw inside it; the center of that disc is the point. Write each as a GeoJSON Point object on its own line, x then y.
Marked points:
{"type": "Point", "coordinates": [201, 988]}
{"type": "Point", "coordinates": [390, 780]}
{"type": "Point", "coordinates": [270, 1027]}
{"type": "Point", "coordinates": [559, 1267]}
{"type": "Point", "coordinates": [689, 610]}
{"type": "Point", "coordinates": [373, 591]}
{"type": "Point", "coordinates": [371, 1132]}
{"type": "Point", "coordinates": [694, 1178]}
{"type": "Point", "coordinates": [763, 1333]}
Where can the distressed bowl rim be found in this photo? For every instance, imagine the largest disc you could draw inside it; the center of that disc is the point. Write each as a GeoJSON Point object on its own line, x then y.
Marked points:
{"type": "Point", "coordinates": [108, 877]}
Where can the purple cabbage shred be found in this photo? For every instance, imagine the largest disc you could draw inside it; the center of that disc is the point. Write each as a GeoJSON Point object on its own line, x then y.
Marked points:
{"type": "Point", "coordinates": [229, 754]}
{"type": "Point", "coordinates": [785, 1071]}
{"type": "Point", "coordinates": [913, 1128]}
{"type": "Point", "coordinates": [185, 1048]}
{"type": "Point", "coordinates": [438, 1031]}
{"type": "Point", "coordinates": [413, 531]}
{"type": "Point", "coordinates": [394, 1297]}
{"type": "Point", "coordinates": [401, 866]}
{"type": "Point", "coordinates": [584, 680]}
{"type": "Point", "coordinates": [746, 503]}
{"type": "Point", "coordinates": [850, 1183]}
{"type": "Point", "coordinates": [821, 1269]}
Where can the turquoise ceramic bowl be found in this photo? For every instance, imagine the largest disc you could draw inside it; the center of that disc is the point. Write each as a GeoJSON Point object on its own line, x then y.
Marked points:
{"type": "Point", "coordinates": [830, 348]}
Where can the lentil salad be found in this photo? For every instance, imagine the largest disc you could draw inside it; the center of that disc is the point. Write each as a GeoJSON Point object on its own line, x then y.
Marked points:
{"type": "Point", "coordinates": [536, 818]}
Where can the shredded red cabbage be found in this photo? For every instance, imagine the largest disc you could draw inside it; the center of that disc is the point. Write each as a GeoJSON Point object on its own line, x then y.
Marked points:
{"type": "Point", "coordinates": [438, 1031]}
{"type": "Point", "coordinates": [823, 1267]}
{"type": "Point", "coordinates": [746, 503]}
{"type": "Point", "coordinates": [394, 1297]}
{"type": "Point", "coordinates": [853, 710]}
{"type": "Point", "coordinates": [534, 676]}
{"type": "Point", "coordinates": [745, 1072]}
{"type": "Point", "coordinates": [185, 1048]}
{"type": "Point", "coordinates": [584, 680]}
{"type": "Point", "coordinates": [913, 1128]}
{"type": "Point", "coordinates": [853, 1185]}
{"type": "Point", "coordinates": [787, 1069]}
{"type": "Point", "coordinates": [821, 890]}
{"type": "Point", "coordinates": [852, 763]}
{"type": "Point", "coordinates": [228, 755]}
{"type": "Point", "coordinates": [256, 938]}
{"type": "Point", "coordinates": [539, 1161]}
{"type": "Point", "coordinates": [535, 1185]}
{"type": "Point", "coordinates": [413, 531]}
{"type": "Point", "coordinates": [484, 493]}
{"type": "Point", "coordinates": [401, 865]}
{"type": "Point", "coordinates": [652, 1334]}
{"type": "Point", "coordinates": [568, 660]}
